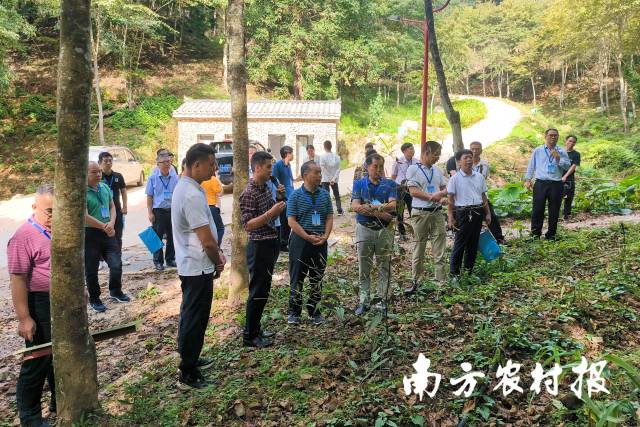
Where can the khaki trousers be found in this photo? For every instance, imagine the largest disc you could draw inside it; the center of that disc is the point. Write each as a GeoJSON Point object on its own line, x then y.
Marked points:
{"type": "Point", "coordinates": [370, 243]}
{"type": "Point", "coordinates": [429, 226]}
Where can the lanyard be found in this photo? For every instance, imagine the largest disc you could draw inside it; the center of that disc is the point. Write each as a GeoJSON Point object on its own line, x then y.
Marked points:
{"type": "Point", "coordinates": [37, 226]}
{"type": "Point", "coordinates": [548, 154]}
{"type": "Point", "coordinates": [98, 196]}
{"type": "Point", "coordinates": [425, 174]}
{"type": "Point", "coordinates": [313, 203]}
{"type": "Point", "coordinates": [108, 182]}
{"type": "Point", "coordinates": [165, 186]}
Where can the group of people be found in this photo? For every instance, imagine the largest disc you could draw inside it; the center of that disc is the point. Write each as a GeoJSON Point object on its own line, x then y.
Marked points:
{"type": "Point", "coordinates": [277, 217]}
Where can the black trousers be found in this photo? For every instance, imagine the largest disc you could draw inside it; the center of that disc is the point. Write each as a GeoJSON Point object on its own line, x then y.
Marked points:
{"type": "Point", "coordinates": [261, 260]}
{"type": "Point", "coordinates": [119, 227]}
{"type": "Point", "coordinates": [197, 294]}
{"type": "Point", "coordinates": [34, 372]}
{"type": "Point", "coordinates": [408, 200]}
{"type": "Point", "coordinates": [285, 230]}
{"type": "Point", "coordinates": [305, 260]}
{"type": "Point", "coordinates": [465, 245]}
{"type": "Point", "coordinates": [97, 246]}
{"type": "Point", "coordinates": [495, 227]}
{"type": "Point", "coordinates": [162, 227]}
{"type": "Point", "coordinates": [546, 192]}
{"type": "Point", "coordinates": [569, 188]}
{"type": "Point", "coordinates": [336, 194]}
{"type": "Point", "coordinates": [217, 219]}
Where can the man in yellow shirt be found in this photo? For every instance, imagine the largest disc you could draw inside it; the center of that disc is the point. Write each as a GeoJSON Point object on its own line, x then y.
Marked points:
{"type": "Point", "coordinates": [213, 190]}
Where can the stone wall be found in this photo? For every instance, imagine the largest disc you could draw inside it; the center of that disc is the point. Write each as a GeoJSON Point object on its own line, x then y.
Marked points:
{"type": "Point", "coordinates": [188, 132]}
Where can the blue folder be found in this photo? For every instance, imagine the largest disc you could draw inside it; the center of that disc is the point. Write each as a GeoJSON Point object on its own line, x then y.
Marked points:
{"type": "Point", "coordinates": [151, 240]}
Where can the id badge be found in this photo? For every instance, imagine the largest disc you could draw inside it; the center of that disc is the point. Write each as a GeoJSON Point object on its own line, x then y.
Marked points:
{"type": "Point", "coordinates": [167, 195]}
{"type": "Point", "coordinates": [431, 189]}
{"type": "Point", "coordinates": [315, 219]}
{"type": "Point", "coordinates": [551, 168]}
{"type": "Point", "coordinates": [375, 202]}
{"type": "Point", "coordinates": [104, 212]}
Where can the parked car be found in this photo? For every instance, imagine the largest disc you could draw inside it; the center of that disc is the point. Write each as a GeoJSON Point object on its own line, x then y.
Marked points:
{"type": "Point", "coordinates": [124, 162]}
{"type": "Point", "coordinates": [224, 157]}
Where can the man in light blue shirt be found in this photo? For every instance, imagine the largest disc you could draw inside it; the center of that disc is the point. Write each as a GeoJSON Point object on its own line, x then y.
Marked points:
{"type": "Point", "coordinates": [547, 165]}
{"type": "Point", "coordinates": [282, 172]}
{"type": "Point", "coordinates": [159, 193]}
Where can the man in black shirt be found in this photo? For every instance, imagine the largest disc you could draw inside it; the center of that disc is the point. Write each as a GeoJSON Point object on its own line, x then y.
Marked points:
{"type": "Point", "coordinates": [452, 165]}
{"type": "Point", "coordinates": [569, 177]}
{"type": "Point", "coordinates": [116, 183]}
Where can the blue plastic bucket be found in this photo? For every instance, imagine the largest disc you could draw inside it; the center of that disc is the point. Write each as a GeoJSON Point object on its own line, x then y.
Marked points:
{"type": "Point", "coordinates": [151, 240]}
{"type": "Point", "coordinates": [488, 246]}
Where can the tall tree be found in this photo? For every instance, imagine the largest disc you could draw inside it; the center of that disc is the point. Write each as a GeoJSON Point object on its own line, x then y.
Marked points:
{"type": "Point", "coordinates": [74, 353]}
{"type": "Point", "coordinates": [238, 87]}
{"type": "Point", "coordinates": [452, 115]}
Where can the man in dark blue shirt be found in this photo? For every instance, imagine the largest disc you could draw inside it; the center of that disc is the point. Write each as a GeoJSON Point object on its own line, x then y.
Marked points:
{"type": "Point", "coordinates": [374, 201]}
{"type": "Point", "coordinates": [310, 215]}
{"type": "Point", "coordinates": [282, 172]}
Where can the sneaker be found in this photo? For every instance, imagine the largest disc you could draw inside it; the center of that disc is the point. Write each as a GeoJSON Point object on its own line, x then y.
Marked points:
{"type": "Point", "coordinates": [360, 310]}
{"type": "Point", "coordinates": [293, 319]}
{"type": "Point", "coordinates": [318, 319]}
{"type": "Point", "coordinates": [267, 334]}
{"type": "Point", "coordinates": [380, 306]}
{"type": "Point", "coordinates": [203, 363]}
{"type": "Point", "coordinates": [98, 306]}
{"type": "Point", "coordinates": [410, 290]}
{"type": "Point", "coordinates": [120, 297]}
{"type": "Point", "coordinates": [195, 380]}
{"type": "Point", "coordinates": [102, 266]}
{"type": "Point", "coordinates": [172, 264]}
{"type": "Point", "coordinates": [340, 213]}
{"type": "Point", "coordinates": [257, 342]}
{"type": "Point", "coordinates": [37, 422]}
{"type": "Point", "coordinates": [159, 266]}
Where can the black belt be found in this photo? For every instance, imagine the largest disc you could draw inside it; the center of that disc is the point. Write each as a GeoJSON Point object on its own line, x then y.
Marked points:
{"type": "Point", "coordinates": [373, 226]}
{"type": "Point", "coordinates": [434, 209]}
{"type": "Point", "coordinates": [468, 207]}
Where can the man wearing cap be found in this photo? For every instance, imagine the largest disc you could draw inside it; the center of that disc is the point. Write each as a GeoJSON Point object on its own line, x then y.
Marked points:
{"type": "Point", "coordinates": [29, 266]}
{"type": "Point", "coordinates": [159, 193]}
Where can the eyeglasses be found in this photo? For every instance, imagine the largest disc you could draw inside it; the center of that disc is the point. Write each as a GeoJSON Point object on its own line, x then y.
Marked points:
{"type": "Point", "coordinates": [166, 162]}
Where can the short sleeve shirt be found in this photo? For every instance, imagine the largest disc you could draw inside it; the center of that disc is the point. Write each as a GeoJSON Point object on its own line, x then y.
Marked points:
{"type": "Point", "coordinates": [429, 180]}
{"type": "Point", "coordinates": [212, 187]}
{"type": "Point", "coordinates": [482, 168]}
{"type": "Point", "coordinates": [368, 192]}
{"type": "Point", "coordinates": [29, 252]}
{"type": "Point", "coordinates": [467, 189]}
{"type": "Point", "coordinates": [451, 165]}
{"type": "Point", "coordinates": [161, 188]}
{"type": "Point", "coordinates": [574, 156]}
{"type": "Point", "coordinates": [98, 201]}
{"type": "Point", "coordinates": [189, 210]}
{"type": "Point", "coordinates": [116, 184]}
{"type": "Point", "coordinates": [303, 204]}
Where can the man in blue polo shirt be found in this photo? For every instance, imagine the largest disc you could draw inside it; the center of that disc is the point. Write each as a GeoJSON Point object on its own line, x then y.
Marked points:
{"type": "Point", "coordinates": [282, 172]}
{"type": "Point", "coordinates": [159, 193]}
{"type": "Point", "coordinates": [374, 201]}
{"type": "Point", "coordinates": [547, 165]}
{"type": "Point", "coordinates": [310, 216]}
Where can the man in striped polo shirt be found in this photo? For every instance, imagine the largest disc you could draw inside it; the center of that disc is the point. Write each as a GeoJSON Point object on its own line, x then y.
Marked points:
{"type": "Point", "coordinates": [310, 216]}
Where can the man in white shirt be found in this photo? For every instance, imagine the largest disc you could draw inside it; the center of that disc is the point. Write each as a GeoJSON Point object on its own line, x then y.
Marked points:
{"type": "Point", "coordinates": [482, 167]}
{"type": "Point", "coordinates": [467, 194]}
{"type": "Point", "coordinates": [427, 186]}
{"type": "Point", "coordinates": [330, 167]}
{"type": "Point", "coordinates": [399, 175]}
{"type": "Point", "coordinates": [199, 260]}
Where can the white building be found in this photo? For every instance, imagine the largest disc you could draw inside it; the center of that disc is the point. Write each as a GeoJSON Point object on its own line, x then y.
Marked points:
{"type": "Point", "coordinates": [272, 123]}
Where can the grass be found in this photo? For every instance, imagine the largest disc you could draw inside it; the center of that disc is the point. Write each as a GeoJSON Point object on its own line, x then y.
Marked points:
{"type": "Point", "coordinates": [543, 302]}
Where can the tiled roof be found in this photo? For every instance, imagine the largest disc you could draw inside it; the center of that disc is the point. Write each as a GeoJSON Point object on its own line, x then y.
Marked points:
{"type": "Point", "coordinates": [263, 109]}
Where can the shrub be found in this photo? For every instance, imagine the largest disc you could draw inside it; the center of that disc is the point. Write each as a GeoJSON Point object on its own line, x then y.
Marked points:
{"type": "Point", "coordinates": [36, 108]}
{"type": "Point", "coordinates": [612, 156]}
{"type": "Point", "coordinates": [150, 114]}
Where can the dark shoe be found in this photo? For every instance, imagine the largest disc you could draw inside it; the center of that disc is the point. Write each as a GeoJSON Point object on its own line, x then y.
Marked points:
{"type": "Point", "coordinates": [98, 306]}
{"type": "Point", "coordinates": [258, 342]}
{"type": "Point", "coordinates": [318, 319]}
{"type": "Point", "coordinates": [267, 334]}
{"type": "Point", "coordinates": [284, 248]}
{"type": "Point", "coordinates": [411, 289]}
{"type": "Point", "coordinates": [159, 267]}
{"type": "Point", "coordinates": [551, 237]}
{"type": "Point", "coordinates": [203, 363]}
{"type": "Point", "coordinates": [404, 238]}
{"type": "Point", "coordinates": [37, 422]}
{"type": "Point", "coordinates": [53, 408]}
{"type": "Point", "coordinates": [192, 380]}
{"type": "Point", "coordinates": [361, 309]}
{"type": "Point", "coordinates": [293, 319]}
{"type": "Point", "coordinates": [171, 264]}
{"type": "Point", "coordinates": [120, 297]}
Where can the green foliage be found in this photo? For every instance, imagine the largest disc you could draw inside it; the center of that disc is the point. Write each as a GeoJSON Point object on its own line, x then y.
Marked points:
{"type": "Point", "coordinates": [13, 27]}
{"type": "Point", "coordinates": [37, 108]}
{"type": "Point", "coordinates": [511, 200]}
{"type": "Point", "coordinates": [376, 108]}
{"type": "Point", "coordinates": [150, 114]}
{"type": "Point", "coordinates": [612, 156]}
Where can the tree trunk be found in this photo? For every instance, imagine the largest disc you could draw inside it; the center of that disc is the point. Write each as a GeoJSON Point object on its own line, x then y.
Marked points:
{"type": "Point", "coordinates": [398, 92]}
{"type": "Point", "coordinates": [623, 94]}
{"type": "Point", "coordinates": [484, 86]}
{"type": "Point", "coordinates": [606, 80]}
{"type": "Point", "coordinates": [96, 72]}
{"type": "Point", "coordinates": [74, 353]}
{"type": "Point", "coordinates": [564, 71]}
{"type": "Point", "coordinates": [601, 82]}
{"type": "Point", "coordinates": [452, 115]}
{"type": "Point", "coordinates": [500, 84]}
{"type": "Point", "coordinates": [508, 86]}
{"type": "Point", "coordinates": [533, 89]}
{"type": "Point", "coordinates": [298, 92]}
{"type": "Point", "coordinates": [466, 82]}
{"type": "Point", "coordinates": [239, 279]}
{"type": "Point", "coordinates": [433, 98]}
{"type": "Point", "coordinates": [225, 56]}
